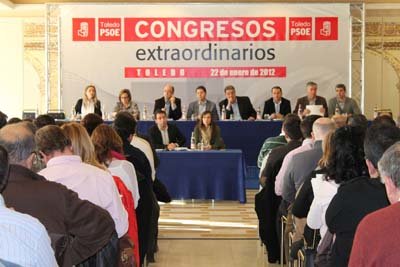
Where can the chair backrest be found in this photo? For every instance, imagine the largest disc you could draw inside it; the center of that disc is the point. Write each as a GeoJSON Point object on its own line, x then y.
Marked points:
{"type": "Point", "coordinates": [145, 147]}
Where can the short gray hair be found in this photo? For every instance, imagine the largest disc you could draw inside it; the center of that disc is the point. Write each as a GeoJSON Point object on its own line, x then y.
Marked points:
{"type": "Point", "coordinates": [19, 141]}
{"type": "Point", "coordinates": [389, 164]}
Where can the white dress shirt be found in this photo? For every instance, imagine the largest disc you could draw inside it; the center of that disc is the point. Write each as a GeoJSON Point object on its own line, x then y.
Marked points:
{"type": "Point", "coordinates": [125, 170]}
{"type": "Point", "coordinates": [90, 183]}
{"type": "Point", "coordinates": [164, 136]}
{"type": "Point", "coordinates": [24, 240]}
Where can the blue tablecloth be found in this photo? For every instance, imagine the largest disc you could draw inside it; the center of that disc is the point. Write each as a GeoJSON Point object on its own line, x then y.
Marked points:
{"type": "Point", "coordinates": [215, 175]}
{"type": "Point", "coordinates": [247, 136]}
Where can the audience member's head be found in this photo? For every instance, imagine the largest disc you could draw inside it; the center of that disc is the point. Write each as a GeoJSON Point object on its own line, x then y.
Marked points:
{"type": "Point", "coordinates": [4, 163]}
{"type": "Point", "coordinates": [91, 121]}
{"type": "Point", "coordinates": [50, 141]}
{"type": "Point", "coordinates": [307, 124]}
{"type": "Point", "coordinates": [3, 119]}
{"type": "Point", "coordinates": [378, 138]}
{"type": "Point", "coordinates": [339, 120]}
{"type": "Point", "coordinates": [106, 139]}
{"type": "Point", "coordinates": [43, 120]}
{"type": "Point", "coordinates": [321, 128]}
{"type": "Point", "coordinates": [346, 158]}
{"type": "Point", "coordinates": [383, 119]}
{"type": "Point", "coordinates": [358, 120]}
{"type": "Point", "coordinates": [125, 125]}
{"type": "Point", "coordinates": [19, 141]}
{"type": "Point", "coordinates": [14, 120]}
{"type": "Point", "coordinates": [81, 143]}
{"type": "Point", "coordinates": [389, 169]}
{"type": "Point", "coordinates": [291, 127]}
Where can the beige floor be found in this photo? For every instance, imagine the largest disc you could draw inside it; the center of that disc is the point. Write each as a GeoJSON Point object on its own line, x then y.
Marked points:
{"type": "Point", "coordinates": [209, 234]}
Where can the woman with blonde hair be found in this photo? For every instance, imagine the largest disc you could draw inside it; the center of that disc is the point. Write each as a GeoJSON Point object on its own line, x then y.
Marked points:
{"type": "Point", "coordinates": [83, 146]}
{"type": "Point", "coordinates": [125, 103]}
{"type": "Point", "coordinates": [81, 143]}
{"type": "Point", "coordinates": [89, 102]}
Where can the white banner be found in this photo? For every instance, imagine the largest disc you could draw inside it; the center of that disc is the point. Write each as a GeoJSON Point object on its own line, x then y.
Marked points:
{"type": "Point", "coordinates": [251, 46]}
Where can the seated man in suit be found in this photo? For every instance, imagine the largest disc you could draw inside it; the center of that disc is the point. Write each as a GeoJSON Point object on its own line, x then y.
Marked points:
{"type": "Point", "coordinates": [277, 106]}
{"type": "Point", "coordinates": [342, 104]}
{"type": "Point", "coordinates": [197, 108]}
{"type": "Point", "coordinates": [165, 135]}
{"type": "Point", "coordinates": [311, 99]}
{"type": "Point", "coordinates": [169, 103]}
{"type": "Point", "coordinates": [239, 107]}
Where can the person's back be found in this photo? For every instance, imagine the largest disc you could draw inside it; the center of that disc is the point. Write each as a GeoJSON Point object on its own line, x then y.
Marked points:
{"type": "Point", "coordinates": [91, 183]}
{"type": "Point", "coordinates": [76, 217]}
{"type": "Point", "coordinates": [353, 201]}
{"type": "Point", "coordinates": [66, 217]}
{"type": "Point", "coordinates": [376, 239]}
{"type": "Point", "coordinates": [126, 172]}
{"type": "Point", "coordinates": [26, 239]}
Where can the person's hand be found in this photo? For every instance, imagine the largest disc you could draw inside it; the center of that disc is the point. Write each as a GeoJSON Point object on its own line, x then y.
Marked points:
{"type": "Point", "coordinates": [163, 109]}
{"type": "Point", "coordinates": [279, 115]}
{"type": "Point", "coordinates": [306, 112]}
{"type": "Point", "coordinates": [171, 146]}
{"type": "Point", "coordinates": [322, 110]}
{"type": "Point", "coordinates": [207, 147]}
{"type": "Point", "coordinates": [172, 100]}
{"type": "Point", "coordinates": [251, 119]}
{"type": "Point", "coordinates": [273, 116]}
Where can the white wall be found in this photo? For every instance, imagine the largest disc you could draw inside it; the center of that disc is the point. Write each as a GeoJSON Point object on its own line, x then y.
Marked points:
{"type": "Point", "coordinates": [11, 66]}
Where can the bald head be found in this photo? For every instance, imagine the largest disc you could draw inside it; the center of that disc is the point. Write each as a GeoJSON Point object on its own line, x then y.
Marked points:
{"type": "Point", "coordinates": [322, 127]}
{"type": "Point", "coordinates": [18, 139]}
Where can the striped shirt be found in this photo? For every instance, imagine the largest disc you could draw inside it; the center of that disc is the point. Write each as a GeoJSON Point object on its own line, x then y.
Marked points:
{"type": "Point", "coordinates": [24, 240]}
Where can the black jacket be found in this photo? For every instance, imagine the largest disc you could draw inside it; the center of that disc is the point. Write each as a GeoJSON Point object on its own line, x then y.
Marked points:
{"type": "Point", "coordinates": [246, 109]}
{"type": "Point", "coordinates": [172, 114]}
{"type": "Point", "coordinates": [268, 202]}
{"type": "Point", "coordinates": [174, 135]}
{"type": "Point", "coordinates": [77, 228]}
{"type": "Point", "coordinates": [353, 201]}
{"type": "Point", "coordinates": [138, 159]}
{"type": "Point", "coordinates": [97, 107]}
{"type": "Point", "coordinates": [284, 109]}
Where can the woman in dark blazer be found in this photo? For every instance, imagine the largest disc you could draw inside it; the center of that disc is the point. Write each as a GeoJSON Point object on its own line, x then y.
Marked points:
{"type": "Point", "coordinates": [208, 131]}
{"type": "Point", "coordinates": [88, 103]}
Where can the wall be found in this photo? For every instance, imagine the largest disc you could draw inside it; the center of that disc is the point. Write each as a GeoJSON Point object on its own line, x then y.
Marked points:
{"type": "Point", "coordinates": [22, 74]}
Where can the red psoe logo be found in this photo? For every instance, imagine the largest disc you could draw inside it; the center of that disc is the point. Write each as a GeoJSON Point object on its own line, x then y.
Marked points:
{"type": "Point", "coordinates": [326, 28]}
{"type": "Point", "coordinates": [109, 29]}
{"type": "Point", "coordinates": [300, 29]}
{"type": "Point", "coordinates": [83, 29]}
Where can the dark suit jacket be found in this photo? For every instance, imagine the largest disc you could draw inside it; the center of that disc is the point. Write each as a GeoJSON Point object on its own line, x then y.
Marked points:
{"type": "Point", "coordinates": [174, 135]}
{"type": "Point", "coordinates": [138, 159]}
{"type": "Point", "coordinates": [77, 228]}
{"type": "Point", "coordinates": [284, 109]}
{"type": "Point", "coordinates": [245, 107]}
{"type": "Point", "coordinates": [303, 101]}
{"type": "Point", "coordinates": [173, 114]}
{"type": "Point", "coordinates": [271, 200]}
{"type": "Point", "coordinates": [97, 107]}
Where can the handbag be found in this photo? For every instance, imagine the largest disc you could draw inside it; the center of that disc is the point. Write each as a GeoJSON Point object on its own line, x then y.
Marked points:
{"type": "Point", "coordinates": [126, 257]}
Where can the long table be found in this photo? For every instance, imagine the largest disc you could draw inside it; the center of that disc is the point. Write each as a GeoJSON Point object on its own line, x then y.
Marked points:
{"type": "Point", "coordinates": [247, 136]}
{"type": "Point", "coordinates": [215, 175]}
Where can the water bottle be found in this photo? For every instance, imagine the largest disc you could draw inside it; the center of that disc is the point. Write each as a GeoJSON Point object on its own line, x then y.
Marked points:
{"type": "Point", "coordinates": [192, 142]}
{"type": "Point", "coordinates": [259, 113]}
{"type": "Point", "coordinates": [223, 113]}
{"type": "Point", "coordinates": [144, 113]}
{"type": "Point", "coordinates": [73, 113]}
{"type": "Point", "coordinates": [337, 110]}
{"type": "Point", "coordinates": [184, 116]}
{"type": "Point", "coordinates": [375, 111]}
{"type": "Point", "coordinates": [103, 112]}
{"type": "Point", "coordinates": [300, 112]}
